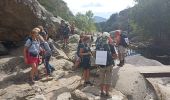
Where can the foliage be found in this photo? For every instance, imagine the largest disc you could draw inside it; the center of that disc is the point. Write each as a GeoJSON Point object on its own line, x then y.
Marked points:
{"type": "Point", "coordinates": [149, 19]}
{"type": "Point", "coordinates": [153, 17]}
{"type": "Point", "coordinates": [58, 8]}
{"type": "Point", "coordinates": [85, 21]}
{"type": "Point", "coordinates": [116, 21]}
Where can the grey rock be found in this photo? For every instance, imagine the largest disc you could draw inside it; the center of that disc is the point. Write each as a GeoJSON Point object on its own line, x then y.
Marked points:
{"type": "Point", "coordinates": [64, 96]}
{"type": "Point", "coordinates": [18, 17]}
{"type": "Point", "coordinates": [79, 95]}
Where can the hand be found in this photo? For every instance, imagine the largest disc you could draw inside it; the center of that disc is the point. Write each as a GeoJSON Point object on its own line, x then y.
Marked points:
{"type": "Point", "coordinates": [89, 53]}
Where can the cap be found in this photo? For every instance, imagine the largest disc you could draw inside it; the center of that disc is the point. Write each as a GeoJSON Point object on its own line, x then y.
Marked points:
{"type": "Point", "coordinates": [105, 34]}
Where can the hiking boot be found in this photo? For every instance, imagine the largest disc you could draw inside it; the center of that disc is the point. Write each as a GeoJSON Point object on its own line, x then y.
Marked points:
{"type": "Point", "coordinates": [36, 78]}
{"type": "Point", "coordinates": [88, 82]}
{"type": "Point", "coordinates": [102, 94]}
{"type": "Point", "coordinates": [108, 95]}
{"type": "Point", "coordinates": [31, 82]}
{"type": "Point", "coordinates": [52, 69]}
{"type": "Point", "coordinates": [121, 63]}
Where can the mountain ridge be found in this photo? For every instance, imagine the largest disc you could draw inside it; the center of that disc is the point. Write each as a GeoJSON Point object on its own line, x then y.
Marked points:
{"type": "Point", "coordinates": [99, 19]}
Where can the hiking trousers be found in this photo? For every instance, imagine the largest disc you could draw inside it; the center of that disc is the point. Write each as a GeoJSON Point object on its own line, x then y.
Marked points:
{"type": "Point", "coordinates": [106, 75]}
{"type": "Point", "coordinates": [47, 65]}
{"type": "Point", "coordinates": [121, 52]}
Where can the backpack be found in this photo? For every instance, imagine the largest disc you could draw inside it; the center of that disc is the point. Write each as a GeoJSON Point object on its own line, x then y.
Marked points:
{"type": "Point", "coordinates": [124, 41]}
{"type": "Point", "coordinates": [66, 30]}
{"type": "Point", "coordinates": [102, 45]}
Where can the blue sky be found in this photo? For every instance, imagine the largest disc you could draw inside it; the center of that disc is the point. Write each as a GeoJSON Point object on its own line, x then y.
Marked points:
{"type": "Point", "coordinates": [102, 8]}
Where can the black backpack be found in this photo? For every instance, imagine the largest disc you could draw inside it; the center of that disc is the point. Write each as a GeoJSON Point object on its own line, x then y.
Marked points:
{"type": "Point", "coordinates": [66, 30]}
{"type": "Point", "coordinates": [106, 47]}
{"type": "Point", "coordinates": [124, 41]}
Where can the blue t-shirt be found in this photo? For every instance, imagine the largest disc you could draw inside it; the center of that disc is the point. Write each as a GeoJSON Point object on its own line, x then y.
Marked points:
{"type": "Point", "coordinates": [33, 46]}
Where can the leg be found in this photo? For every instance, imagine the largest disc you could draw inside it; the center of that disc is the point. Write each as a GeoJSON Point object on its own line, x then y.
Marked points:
{"type": "Point", "coordinates": [33, 71]}
{"type": "Point", "coordinates": [102, 78]}
{"type": "Point", "coordinates": [87, 74]}
{"type": "Point", "coordinates": [46, 63]}
{"type": "Point", "coordinates": [107, 87]}
{"type": "Point", "coordinates": [108, 79]}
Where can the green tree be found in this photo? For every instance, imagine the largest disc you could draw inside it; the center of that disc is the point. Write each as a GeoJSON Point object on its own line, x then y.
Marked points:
{"type": "Point", "coordinates": [85, 21]}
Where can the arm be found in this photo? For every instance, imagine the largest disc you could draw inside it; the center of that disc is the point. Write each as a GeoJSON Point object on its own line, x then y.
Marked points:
{"type": "Point", "coordinates": [114, 55]}
{"type": "Point", "coordinates": [25, 54]}
{"type": "Point", "coordinates": [83, 54]}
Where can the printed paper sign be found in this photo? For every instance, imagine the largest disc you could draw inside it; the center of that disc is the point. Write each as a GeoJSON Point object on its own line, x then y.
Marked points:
{"type": "Point", "coordinates": [101, 57]}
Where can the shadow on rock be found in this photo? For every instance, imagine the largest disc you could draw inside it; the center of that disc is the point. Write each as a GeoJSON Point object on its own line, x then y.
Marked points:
{"type": "Point", "coordinates": [115, 75]}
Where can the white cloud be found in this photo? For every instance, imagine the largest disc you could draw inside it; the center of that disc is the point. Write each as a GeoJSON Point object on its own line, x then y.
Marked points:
{"type": "Point", "coordinates": [99, 6]}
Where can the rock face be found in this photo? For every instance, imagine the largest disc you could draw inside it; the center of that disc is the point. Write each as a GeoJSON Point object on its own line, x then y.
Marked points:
{"type": "Point", "coordinates": [18, 17]}
{"type": "Point", "coordinates": [3, 50]}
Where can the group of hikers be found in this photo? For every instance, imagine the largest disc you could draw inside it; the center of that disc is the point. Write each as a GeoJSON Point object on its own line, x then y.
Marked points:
{"type": "Point", "coordinates": [38, 45]}
{"type": "Point", "coordinates": [115, 47]}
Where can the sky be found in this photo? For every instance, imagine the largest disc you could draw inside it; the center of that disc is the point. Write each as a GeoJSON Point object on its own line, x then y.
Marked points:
{"type": "Point", "coordinates": [102, 8]}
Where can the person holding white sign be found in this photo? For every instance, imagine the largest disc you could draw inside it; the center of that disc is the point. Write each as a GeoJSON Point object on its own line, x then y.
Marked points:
{"type": "Point", "coordinates": [105, 53]}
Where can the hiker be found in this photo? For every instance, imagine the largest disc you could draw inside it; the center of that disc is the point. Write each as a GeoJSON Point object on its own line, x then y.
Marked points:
{"type": "Point", "coordinates": [98, 40]}
{"type": "Point", "coordinates": [47, 53]}
{"type": "Point", "coordinates": [106, 70]}
{"type": "Point", "coordinates": [66, 34]}
{"type": "Point", "coordinates": [61, 29]}
{"type": "Point", "coordinates": [85, 54]}
{"type": "Point", "coordinates": [122, 43]}
{"type": "Point", "coordinates": [77, 55]}
{"type": "Point", "coordinates": [31, 53]}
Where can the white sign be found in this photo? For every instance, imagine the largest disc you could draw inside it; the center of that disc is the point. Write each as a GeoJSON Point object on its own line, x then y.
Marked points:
{"type": "Point", "coordinates": [101, 57]}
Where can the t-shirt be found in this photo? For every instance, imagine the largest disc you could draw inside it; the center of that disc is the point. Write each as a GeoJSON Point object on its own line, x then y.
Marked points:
{"type": "Point", "coordinates": [33, 46]}
{"type": "Point", "coordinates": [85, 48]}
{"type": "Point", "coordinates": [47, 48]}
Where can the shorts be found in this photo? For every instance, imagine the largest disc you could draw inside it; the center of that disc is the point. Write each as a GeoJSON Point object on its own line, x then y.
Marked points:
{"type": "Point", "coordinates": [31, 60]}
{"type": "Point", "coordinates": [85, 63]}
{"type": "Point", "coordinates": [106, 75]}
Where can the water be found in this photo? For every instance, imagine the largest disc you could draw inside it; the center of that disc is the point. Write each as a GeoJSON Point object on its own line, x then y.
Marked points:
{"type": "Point", "coordinates": [158, 54]}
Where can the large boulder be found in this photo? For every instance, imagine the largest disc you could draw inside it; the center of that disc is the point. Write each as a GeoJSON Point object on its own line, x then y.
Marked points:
{"type": "Point", "coordinates": [138, 60]}
{"type": "Point", "coordinates": [18, 17]}
{"type": "Point", "coordinates": [132, 84]}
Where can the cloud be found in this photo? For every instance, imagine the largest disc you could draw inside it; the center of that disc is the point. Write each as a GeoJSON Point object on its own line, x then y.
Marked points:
{"type": "Point", "coordinates": [98, 6]}
{"type": "Point", "coordinates": [92, 5]}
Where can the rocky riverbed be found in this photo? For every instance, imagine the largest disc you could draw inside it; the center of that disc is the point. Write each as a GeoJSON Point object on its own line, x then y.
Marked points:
{"type": "Point", "coordinates": [67, 84]}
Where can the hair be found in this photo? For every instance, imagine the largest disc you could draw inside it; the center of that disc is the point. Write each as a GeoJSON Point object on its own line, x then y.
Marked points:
{"type": "Point", "coordinates": [81, 35]}
{"type": "Point", "coordinates": [86, 38]}
{"type": "Point", "coordinates": [117, 32]}
{"type": "Point", "coordinates": [35, 30]}
{"type": "Point", "coordinates": [40, 27]}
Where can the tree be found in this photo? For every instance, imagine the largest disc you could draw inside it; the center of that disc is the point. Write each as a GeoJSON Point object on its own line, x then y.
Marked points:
{"type": "Point", "coordinates": [85, 21]}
